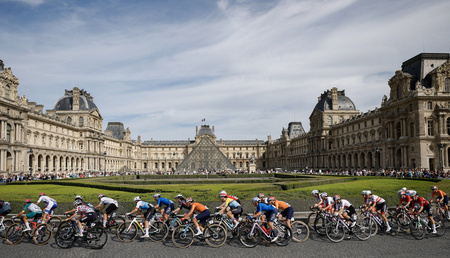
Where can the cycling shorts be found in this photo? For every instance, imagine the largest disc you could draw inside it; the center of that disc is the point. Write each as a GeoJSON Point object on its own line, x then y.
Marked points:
{"type": "Point", "coordinates": [169, 208]}
{"type": "Point", "coordinates": [236, 212]}
{"type": "Point", "coordinates": [427, 210]}
{"type": "Point", "coordinates": [88, 217]}
{"type": "Point", "coordinates": [287, 213]}
{"type": "Point", "coordinates": [148, 215]}
{"type": "Point", "coordinates": [381, 207]}
{"type": "Point", "coordinates": [350, 210]}
{"type": "Point", "coordinates": [445, 199]}
{"type": "Point", "coordinates": [271, 215]}
{"type": "Point", "coordinates": [50, 207]}
{"type": "Point", "coordinates": [111, 208]}
{"type": "Point", "coordinates": [34, 214]}
{"type": "Point", "coordinates": [203, 216]}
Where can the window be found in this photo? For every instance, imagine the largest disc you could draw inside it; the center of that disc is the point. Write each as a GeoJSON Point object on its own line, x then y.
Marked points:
{"type": "Point", "coordinates": [8, 132]}
{"type": "Point", "coordinates": [81, 122]}
{"type": "Point", "coordinates": [69, 120]}
{"type": "Point", "coordinates": [330, 120]}
{"type": "Point", "coordinates": [399, 130]}
{"type": "Point", "coordinates": [341, 119]}
{"type": "Point", "coordinates": [447, 84]}
{"type": "Point", "coordinates": [430, 105]}
{"type": "Point", "coordinates": [448, 126]}
{"type": "Point", "coordinates": [430, 128]}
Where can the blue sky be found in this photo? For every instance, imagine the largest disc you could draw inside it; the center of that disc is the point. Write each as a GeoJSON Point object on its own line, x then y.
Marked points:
{"type": "Point", "coordinates": [248, 66]}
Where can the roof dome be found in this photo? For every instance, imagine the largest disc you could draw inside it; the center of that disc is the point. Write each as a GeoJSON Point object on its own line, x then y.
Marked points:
{"type": "Point", "coordinates": [85, 101]}
{"type": "Point", "coordinates": [326, 101]}
{"type": "Point", "coordinates": [205, 129]}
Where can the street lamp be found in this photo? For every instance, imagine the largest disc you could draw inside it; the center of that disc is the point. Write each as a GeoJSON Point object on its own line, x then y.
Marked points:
{"type": "Point", "coordinates": [378, 157]}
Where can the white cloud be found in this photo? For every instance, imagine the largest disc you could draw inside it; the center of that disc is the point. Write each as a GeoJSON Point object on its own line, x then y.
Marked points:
{"type": "Point", "coordinates": [30, 2]}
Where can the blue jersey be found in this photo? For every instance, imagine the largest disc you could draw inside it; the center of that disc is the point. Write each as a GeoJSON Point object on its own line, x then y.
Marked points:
{"type": "Point", "coordinates": [265, 207]}
{"type": "Point", "coordinates": [164, 201]}
{"type": "Point", "coordinates": [143, 205]}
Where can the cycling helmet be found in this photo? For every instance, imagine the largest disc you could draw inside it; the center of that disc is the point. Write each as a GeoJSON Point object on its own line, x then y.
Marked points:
{"type": "Point", "coordinates": [179, 196]}
{"type": "Point", "coordinates": [77, 202]}
{"type": "Point", "coordinates": [336, 197]}
{"type": "Point", "coordinates": [28, 201]}
{"type": "Point", "coordinates": [434, 187]}
{"type": "Point", "coordinates": [412, 193]}
{"type": "Point", "coordinates": [314, 192]}
{"type": "Point", "coordinates": [322, 195]}
{"type": "Point", "coordinates": [137, 198]}
{"type": "Point", "coordinates": [189, 199]}
{"type": "Point", "coordinates": [261, 195]}
{"type": "Point", "coordinates": [364, 192]}
{"type": "Point", "coordinates": [100, 195]}
{"type": "Point", "coordinates": [157, 195]}
{"type": "Point", "coordinates": [255, 199]}
{"type": "Point", "coordinates": [400, 193]}
{"type": "Point", "coordinates": [404, 189]}
{"type": "Point", "coordinates": [41, 194]}
{"type": "Point", "coordinates": [78, 197]}
{"type": "Point", "coordinates": [271, 198]}
{"type": "Point", "coordinates": [368, 192]}
{"type": "Point", "coordinates": [223, 194]}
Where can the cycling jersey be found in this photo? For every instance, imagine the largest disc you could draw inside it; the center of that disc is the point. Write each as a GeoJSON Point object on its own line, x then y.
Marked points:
{"type": "Point", "coordinates": [318, 199]}
{"type": "Point", "coordinates": [265, 207]}
{"type": "Point", "coordinates": [195, 206]}
{"type": "Point", "coordinates": [344, 204]}
{"type": "Point", "coordinates": [233, 204]}
{"type": "Point", "coordinates": [108, 201]}
{"type": "Point", "coordinates": [143, 205]}
{"type": "Point", "coordinates": [32, 208]}
{"type": "Point", "coordinates": [405, 199]}
{"type": "Point", "coordinates": [376, 199]}
{"type": "Point", "coordinates": [439, 193]}
{"type": "Point", "coordinates": [234, 198]}
{"type": "Point", "coordinates": [183, 204]}
{"type": "Point", "coordinates": [46, 199]}
{"type": "Point", "coordinates": [327, 201]}
{"type": "Point", "coordinates": [5, 208]}
{"type": "Point", "coordinates": [83, 209]}
{"type": "Point", "coordinates": [420, 202]}
{"type": "Point", "coordinates": [164, 201]}
{"type": "Point", "coordinates": [88, 204]}
{"type": "Point", "coordinates": [281, 205]}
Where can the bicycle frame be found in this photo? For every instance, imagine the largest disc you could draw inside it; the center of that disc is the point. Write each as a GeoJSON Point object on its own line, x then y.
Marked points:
{"type": "Point", "coordinates": [256, 224]}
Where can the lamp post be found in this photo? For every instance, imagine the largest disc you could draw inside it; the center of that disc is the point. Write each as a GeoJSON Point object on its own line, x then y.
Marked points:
{"type": "Point", "coordinates": [31, 161]}
{"type": "Point", "coordinates": [377, 160]}
{"type": "Point", "coordinates": [104, 153]}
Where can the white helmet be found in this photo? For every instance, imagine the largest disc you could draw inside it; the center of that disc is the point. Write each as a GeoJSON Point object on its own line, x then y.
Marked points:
{"type": "Point", "coordinates": [314, 192]}
{"type": "Point", "coordinates": [324, 194]}
{"type": "Point", "coordinates": [401, 192]}
{"type": "Point", "coordinates": [78, 197]}
{"type": "Point", "coordinates": [223, 194]}
{"type": "Point", "coordinates": [412, 193]}
{"type": "Point", "coordinates": [255, 199]}
{"type": "Point", "coordinates": [364, 192]}
{"type": "Point", "coordinates": [368, 192]}
{"type": "Point", "coordinates": [404, 189]}
{"type": "Point", "coordinates": [156, 195]}
{"type": "Point", "coordinates": [137, 198]}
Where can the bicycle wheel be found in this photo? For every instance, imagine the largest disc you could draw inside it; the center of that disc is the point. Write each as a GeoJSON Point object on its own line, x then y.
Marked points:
{"type": "Point", "coordinates": [394, 224]}
{"type": "Point", "coordinates": [310, 220]}
{"type": "Point", "coordinates": [417, 229]}
{"type": "Point", "coordinates": [372, 224]}
{"type": "Point", "coordinates": [174, 224]}
{"type": "Point", "coordinates": [127, 232]}
{"type": "Point", "coordinates": [284, 235]}
{"type": "Point", "coordinates": [320, 224]}
{"type": "Point", "coordinates": [96, 237]}
{"type": "Point", "coordinates": [300, 231]}
{"type": "Point", "coordinates": [158, 231]}
{"type": "Point", "coordinates": [4, 227]}
{"type": "Point", "coordinates": [14, 234]}
{"type": "Point", "coordinates": [65, 235]}
{"type": "Point", "coordinates": [335, 231]}
{"type": "Point", "coordinates": [183, 236]}
{"type": "Point", "coordinates": [54, 222]}
{"type": "Point", "coordinates": [362, 229]}
{"type": "Point", "coordinates": [114, 223]}
{"type": "Point", "coordinates": [403, 221]}
{"type": "Point", "coordinates": [249, 238]}
{"type": "Point", "coordinates": [215, 235]}
{"type": "Point", "coordinates": [440, 226]}
{"type": "Point", "coordinates": [42, 234]}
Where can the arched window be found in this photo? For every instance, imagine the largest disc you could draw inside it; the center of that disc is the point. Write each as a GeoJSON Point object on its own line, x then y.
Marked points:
{"type": "Point", "coordinates": [430, 105]}
{"type": "Point", "coordinates": [81, 122]}
{"type": "Point", "coordinates": [430, 128]}
{"type": "Point", "coordinates": [447, 84]}
{"type": "Point", "coordinates": [8, 132]}
{"type": "Point", "coordinates": [330, 120]}
{"type": "Point", "coordinates": [69, 120]}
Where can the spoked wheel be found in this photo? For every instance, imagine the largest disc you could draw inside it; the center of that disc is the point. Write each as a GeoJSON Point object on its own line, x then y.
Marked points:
{"type": "Point", "coordinates": [335, 231]}
{"type": "Point", "coordinates": [284, 235]}
{"type": "Point", "coordinates": [372, 224]}
{"type": "Point", "coordinates": [403, 221]}
{"type": "Point", "coordinates": [215, 235]}
{"type": "Point", "coordinates": [394, 224]}
{"type": "Point", "coordinates": [417, 229]}
{"type": "Point", "coordinates": [42, 234]}
{"type": "Point", "coordinates": [300, 231]}
{"type": "Point", "coordinates": [6, 224]}
{"type": "Point", "coordinates": [65, 235]}
{"type": "Point", "coordinates": [249, 238]}
{"type": "Point", "coordinates": [362, 229]}
{"type": "Point", "coordinates": [114, 224]}
{"type": "Point", "coordinates": [14, 234]}
{"type": "Point", "coordinates": [320, 224]}
{"type": "Point", "coordinates": [96, 237]}
{"type": "Point", "coordinates": [54, 222]}
{"type": "Point", "coordinates": [158, 231]}
{"type": "Point", "coordinates": [127, 232]}
{"type": "Point", "coordinates": [440, 226]}
{"type": "Point", "coordinates": [310, 220]}
{"type": "Point", "coordinates": [183, 236]}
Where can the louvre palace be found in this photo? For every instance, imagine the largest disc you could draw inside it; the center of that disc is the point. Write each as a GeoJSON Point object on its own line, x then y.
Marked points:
{"type": "Point", "coordinates": [410, 129]}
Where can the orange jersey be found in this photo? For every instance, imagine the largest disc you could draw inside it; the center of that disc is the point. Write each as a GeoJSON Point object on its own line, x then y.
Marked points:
{"type": "Point", "coordinates": [281, 205]}
{"type": "Point", "coordinates": [439, 193]}
{"type": "Point", "coordinates": [195, 206]}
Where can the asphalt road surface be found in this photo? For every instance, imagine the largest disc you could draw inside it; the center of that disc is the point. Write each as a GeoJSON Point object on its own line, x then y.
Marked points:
{"type": "Point", "coordinates": [402, 245]}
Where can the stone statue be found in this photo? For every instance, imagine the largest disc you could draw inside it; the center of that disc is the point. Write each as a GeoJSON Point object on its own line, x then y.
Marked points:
{"type": "Point", "coordinates": [252, 159]}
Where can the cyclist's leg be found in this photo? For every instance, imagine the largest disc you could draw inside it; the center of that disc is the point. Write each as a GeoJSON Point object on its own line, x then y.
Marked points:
{"type": "Point", "coordinates": [287, 213]}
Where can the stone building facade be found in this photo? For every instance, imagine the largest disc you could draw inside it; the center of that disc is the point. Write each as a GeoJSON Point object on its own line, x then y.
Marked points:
{"type": "Point", "coordinates": [411, 129]}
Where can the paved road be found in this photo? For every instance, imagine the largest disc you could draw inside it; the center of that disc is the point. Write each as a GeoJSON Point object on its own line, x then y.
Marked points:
{"type": "Point", "coordinates": [402, 245]}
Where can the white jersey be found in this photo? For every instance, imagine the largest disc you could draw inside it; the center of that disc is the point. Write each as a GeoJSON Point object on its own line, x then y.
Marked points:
{"type": "Point", "coordinates": [327, 201]}
{"type": "Point", "coordinates": [376, 199]}
{"type": "Point", "coordinates": [108, 201]}
{"type": "Point", "coordinates": [46, 199]}
{"type": "Point", "coordinates": [33, 208]}
{"type": "Point", "coordinates": [318, 199]}
{"type": "Point", "coordinates": [344, 203]}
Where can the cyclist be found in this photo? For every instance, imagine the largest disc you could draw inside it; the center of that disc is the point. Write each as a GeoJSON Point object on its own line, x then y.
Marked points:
{"type": "Point", "coordinates": [230, 196]}
{"type": "Point", "coordinates": [270, 214]}
{"type": "Point", "coordinates": [319, 200]}
{"type": "Point", "coordinates": [286, 210]}
{"type": "Point", "coordinates": [327, 202]}
{"type": "Point", "coordinates": [231, 207]}
{"type": "Point", "coordinates": [424, 206]}
{"type": "Point", "coordinates": [106, 201]}
{"type": "Point", "coordinates": [442, 198]}
{"type": "Point", "coordinates": [148, 215]}
{"type": "Point", "coordinates": [405, 199]}
{"type": "Point", "coordinates": [50, 205]}
{"type": "Point", "coordinates": [163, 201]}
{"type": "Point", "coordinates": [181, 204]}
{"type": "Point", "coordinates": [35, 213]}
{"type": "Point", "coordinates": [380, 205]}
{"type": "Point", "coordinates": [86, 215]}
{"type": "Point", "coordinates": [262, 198]}
{"type": "Point", "coordinates": [203, 215]}
{"type": "Point", "coordinates": [5, 208]}
{"type": "Point", "coordinates": [344, 210]}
